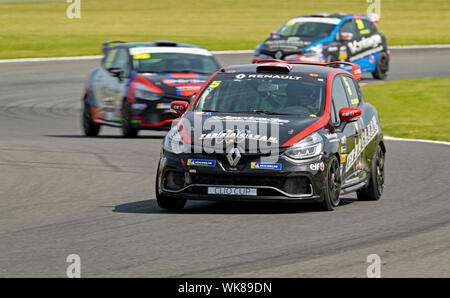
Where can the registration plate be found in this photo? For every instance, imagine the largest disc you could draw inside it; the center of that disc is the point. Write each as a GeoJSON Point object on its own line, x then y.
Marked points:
{"type": "Point", "coordinates": [232, 191]}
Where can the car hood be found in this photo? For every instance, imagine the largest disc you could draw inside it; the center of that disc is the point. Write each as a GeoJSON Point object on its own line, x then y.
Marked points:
{"type": "Point", "coordinates": [178, 84]}
{"type": "Point", "coordinates": [292, 44]}
{"type": "Point", "coordinates": [249, 131]}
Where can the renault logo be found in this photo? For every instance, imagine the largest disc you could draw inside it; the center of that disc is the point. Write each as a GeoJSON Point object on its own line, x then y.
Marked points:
{"type": "Point", "coordinates": [233, 156]}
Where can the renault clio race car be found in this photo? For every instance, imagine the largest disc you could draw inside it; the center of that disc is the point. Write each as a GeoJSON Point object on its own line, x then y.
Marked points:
{"type": "Point", "coordinates": [136, 82]}
{"type": "Point", "coordinates": [273, 131]}
{"type": "Point", "coordinates": [328, 38]}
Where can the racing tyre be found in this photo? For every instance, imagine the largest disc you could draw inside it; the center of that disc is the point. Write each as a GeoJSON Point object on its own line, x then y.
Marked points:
{"type": "Point", "coordinates": [173, 204]}
{"type": "Point", "coordinates": [90, 128]}
{"type": "Point", "coordinates": [376, 180]}
{"type": "Point", "coordinates": [382, 67]}
{"type": "Point", "coordinates": [332, 189]}
{"type": "Point", "coordinates": [128, 131]}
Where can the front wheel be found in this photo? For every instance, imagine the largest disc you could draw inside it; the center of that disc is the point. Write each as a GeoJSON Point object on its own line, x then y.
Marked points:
{"type": "Point", "coordinates": [90, 128]}
{"type": "Point", "coordinates": [128, 131]}
{"type": "Point", "coordinates": [332, 189]}
{"type": "Point", "coordinates": [376, 179]}
{"type": "Point", "coordinates": [382, 67]}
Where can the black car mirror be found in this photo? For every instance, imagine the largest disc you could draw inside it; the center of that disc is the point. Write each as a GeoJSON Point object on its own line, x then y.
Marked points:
{"type": "Point", "coordinates": [115, 72]}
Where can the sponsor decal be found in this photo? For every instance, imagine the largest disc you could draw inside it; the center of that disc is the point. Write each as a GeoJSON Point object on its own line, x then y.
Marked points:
{"type": "Point", "coordinates": [250, 119]}
{"type": "Point", "coordinates": [139, 106]}
{"type": "Point", "coordinates": [344, 149]}
{"type": "Point", "coordinates": [141, 56]}
{"type": "Point", "coordinates": [317, 166]}
{"type": "Point", "coordinates": [366, 53]}
{"type": "Point", "coordinates": [343, 158]}
{"type": "Point", "coordinates": [237, 136]}
{"type": "Point", "coordinates": [365, 137]}
{"type": "Point", "coordinates": [201, 162]}
{"type": "Point", "coordinates": [354, 101]}
{"type": "Point", "coordinates": [365, 43]}
{"type": "Point", "coordinates": [163, 106]}
{"type": "Point", "coordinates": [266, 166]}
{"type": "Point", "coordinates": [267, 76]}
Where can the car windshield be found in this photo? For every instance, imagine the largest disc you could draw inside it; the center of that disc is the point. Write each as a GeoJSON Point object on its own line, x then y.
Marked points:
{"type": "Point", "coordinates": [263, 94]}
{"type": "Point", "coordinates": [306, 29]}
{"type": "Point", "coordinates": [174, 63]}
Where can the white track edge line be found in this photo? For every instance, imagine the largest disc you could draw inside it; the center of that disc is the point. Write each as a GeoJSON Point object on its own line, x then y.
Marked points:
{"type": "Point", "coordinates": [231, 52]}
{"type": "Point", "coordinates": [416, 140]}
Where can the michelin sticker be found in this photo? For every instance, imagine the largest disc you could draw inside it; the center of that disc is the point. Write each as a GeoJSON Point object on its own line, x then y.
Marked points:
{"type": "Point", "coordinates": [201, 162]}
{"type": "Point", "coordinates": [266, 166]}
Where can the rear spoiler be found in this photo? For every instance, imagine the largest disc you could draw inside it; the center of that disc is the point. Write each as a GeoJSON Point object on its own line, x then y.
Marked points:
{"type": "Point", "coordinates": [107, 44]}
{"type": "Point", "coordinates": [355, 68]}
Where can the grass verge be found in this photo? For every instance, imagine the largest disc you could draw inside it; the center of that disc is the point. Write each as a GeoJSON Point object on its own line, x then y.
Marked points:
{"type": "Point", "coordinates": [415, 108]}
{"type": "Point", "coordinates": [42, 29]}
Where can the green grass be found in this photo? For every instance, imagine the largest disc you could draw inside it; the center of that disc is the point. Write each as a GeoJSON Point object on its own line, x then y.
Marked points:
{"type": "Point", "coordinates": [418, 108]}
{"type": "Point", "coordinates": [43, 30]}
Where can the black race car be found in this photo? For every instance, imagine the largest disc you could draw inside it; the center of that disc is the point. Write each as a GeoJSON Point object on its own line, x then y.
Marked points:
{"type": "Point", "coordinates": [274, 131]}
{"type": "Point", "coordinates": [327, 38]}
{"type": "Point", "coordinates": [136, 82]}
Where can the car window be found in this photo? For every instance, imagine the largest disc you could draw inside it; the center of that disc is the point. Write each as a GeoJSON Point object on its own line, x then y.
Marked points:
{"type": "Point", "coordinates": [350, 89]}
{"type": "Point", "coordinates": [174, 62]}
{"type": "Point", "coordinates": [371, 26]}
{"type": "Point", "coordinates": [349, 26]}
{"type": "Point", "coordinates": [109, 59]}
{"type": "Point", "coordinates": [363, 27]}
{"type": "Point", "coordinates": [122, 59]}
{"type": "Point", "coordinates": [306, 29]}
{"type": "Point", "coordinates": [243, 93]}
{"type": "Point", "coordinates": [338, 95]}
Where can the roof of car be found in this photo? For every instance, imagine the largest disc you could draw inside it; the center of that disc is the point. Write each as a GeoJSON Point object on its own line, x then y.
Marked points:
{"type": "Point", "coordinates": [332, 15]}
{"type": "Point", "coordinates": [297, 69]}
{"type": "Point", "coordinates": [158, 43]}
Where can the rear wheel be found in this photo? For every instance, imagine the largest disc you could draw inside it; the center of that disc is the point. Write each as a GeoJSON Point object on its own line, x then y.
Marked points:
{"type": "Point", "coordinates": [128, 130]}
{"type": "Point", "coordinates": [332, 186]}
{"type": "Point", "coordinates": [173, 204]}
{"type": "Point", "coordinates": [376, 180]}
{"type": "Point", "coordinates": [90, 128]}
{"type": "Point", "coordinates": [382, 67]}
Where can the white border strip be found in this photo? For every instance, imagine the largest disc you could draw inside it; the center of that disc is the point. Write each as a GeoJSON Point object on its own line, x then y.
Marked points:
{"type": "Point", "coordinates": [233, 52]}
{"type": "Point", "coordinates": [420, 47]}
{"type": "Point", "coordinates": [51, 59]}
{"type": "Point", "coordinates": [416, 140]}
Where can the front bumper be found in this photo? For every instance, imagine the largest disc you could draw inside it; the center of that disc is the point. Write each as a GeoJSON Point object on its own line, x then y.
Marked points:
{"type": "Point", "coordinates": [293, 181]}
{"type": "Point", "coordinates": [153, 114]}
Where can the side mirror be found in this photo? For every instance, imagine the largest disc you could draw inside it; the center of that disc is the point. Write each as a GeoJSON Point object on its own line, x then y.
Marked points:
{"type": "Point", "coordinates": [346, 36]}
{"type": "Point", "coordinates": [273, 34]}
{"type": "Point", "coordinates": [115, 72]}
{"type": "Point", "coordinates": [179, 107]}
{"type": "Point", "coordinates": [349, 114]}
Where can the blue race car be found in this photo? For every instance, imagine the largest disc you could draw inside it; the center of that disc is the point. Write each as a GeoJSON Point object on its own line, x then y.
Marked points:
{"type": "Point", "coordinates": [328, 38]}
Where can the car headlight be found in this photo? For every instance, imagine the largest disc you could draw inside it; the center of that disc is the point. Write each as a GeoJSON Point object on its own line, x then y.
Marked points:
{"type": "Point", "coordinates": [146, 94]}
{"type": "Point", "coordinates": [173, 142]}
{"type": "Point", "coordinates": [308, 147]}
{"type": "Point", "coordinates": [314, 51]}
